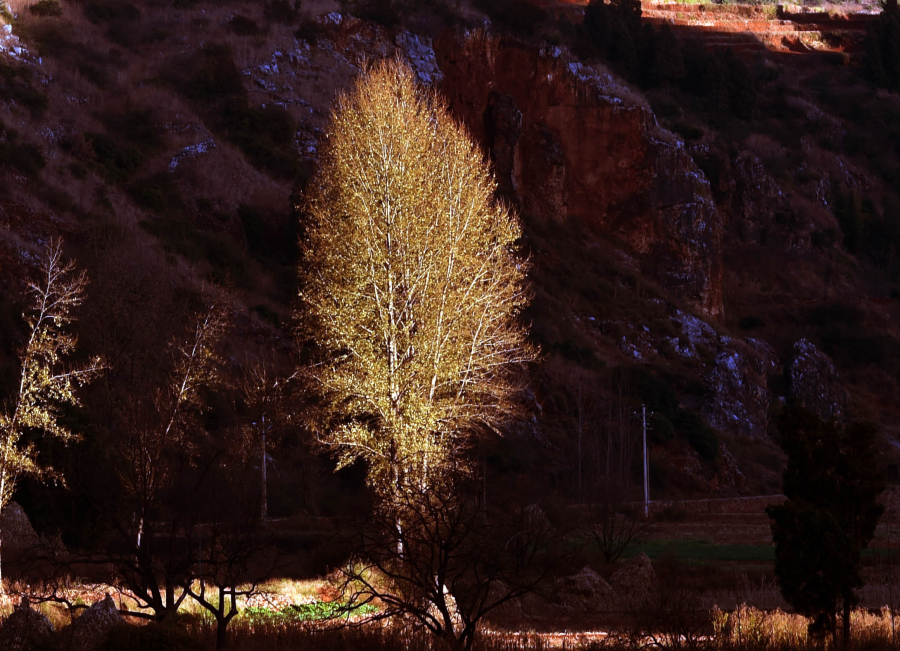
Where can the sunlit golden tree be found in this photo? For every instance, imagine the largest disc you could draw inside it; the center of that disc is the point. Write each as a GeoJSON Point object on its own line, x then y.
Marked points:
{"type": "Point", "coordinates": [410, 284]}
{"type": "Point", "coordinates": [46, 384]}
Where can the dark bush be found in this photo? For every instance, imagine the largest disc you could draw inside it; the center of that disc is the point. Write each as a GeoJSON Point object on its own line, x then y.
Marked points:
{"type": "Point", "coordinates": [117, 162]}
{"type": "Point", "coordinates": [264, 134]}
{"type": "Point", "coordinates": [157, 194]}
{"type": "Point", "coordinates": [210, 77]}
{"type": "Point", "coordinates": [46, 9]}
{"type": "Point", "coordinates": [309, 31]}
{"type": "Point", "coordinates": [24, 157]}
{"type": "Point", "coordinates": [104, 11]}
{"type": "Point", "coordinates": [267, 314]}
{"type": "Point", "coordinates": [384, 12]}
{"type": "Point", "coordinates": [649, 388]}
{"type": "Point", "coordinates": [16, 88]}
{"type": "Point", "coordinates": [243, 26]}
{"type": "Point", "coordinates": [136, 127]}
{"type": "Point", "coordinates": [281, 11]}
{"type": "Point", "coordinates": [751, 323]}
{"type": "Point", "coordinates": [701, 436]}
{"type": "Point", "coordinates": [661, 429]}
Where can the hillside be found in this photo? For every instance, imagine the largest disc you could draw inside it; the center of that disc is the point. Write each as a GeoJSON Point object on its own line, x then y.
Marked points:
{"type": "Point", "coordinates": [693, 245]}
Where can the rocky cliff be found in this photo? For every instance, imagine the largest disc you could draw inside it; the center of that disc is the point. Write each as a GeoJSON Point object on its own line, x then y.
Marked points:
{"type": "Point", "coordinates": [570, 141]}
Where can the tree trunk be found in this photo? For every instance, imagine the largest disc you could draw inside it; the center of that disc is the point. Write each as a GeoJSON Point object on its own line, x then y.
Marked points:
{"type": "Point", "coordinates": [221, 634]}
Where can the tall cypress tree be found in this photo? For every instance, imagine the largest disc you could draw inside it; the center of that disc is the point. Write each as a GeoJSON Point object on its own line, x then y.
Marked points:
{"type": "Point", "coordinates": [831, 484]}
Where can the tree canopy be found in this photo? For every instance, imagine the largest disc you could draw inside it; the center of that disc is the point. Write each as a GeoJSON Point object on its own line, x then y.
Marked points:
{"type": "Point", "coordinates": [410, 283]}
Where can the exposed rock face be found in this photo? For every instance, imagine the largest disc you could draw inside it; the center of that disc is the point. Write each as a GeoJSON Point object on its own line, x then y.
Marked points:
{"type": "Point", "coordinates": [740, 388]}
{"type": "Point", "coordinates": [753, 207]}
{"type": "Point", "coordinates": [24, 629]}
{"type": "Point", "coordinates": [88, 631]}
{"type": "Point", "coordinates": [815, 383]}
{"type": "Point", "coordinates": [588, 147]}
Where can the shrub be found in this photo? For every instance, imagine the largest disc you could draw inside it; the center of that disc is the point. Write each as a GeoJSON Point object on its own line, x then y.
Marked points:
{"type": "Point", "coordinates": [751, 323]}
{"type": "Point", "coordinates": [243, 26]}
{"type": "Point", "coordinates": [384, 12]}
{"type": "Point", "coordinates": [281, 11]}
{"type": "Point", "coordinates": [136, 127]}
{"type": "Point", "coordinates": [698, 434]}
{"type": "Point", "coordinates": [264, 134]}
{"type": "Point", "coordinates": [104, 11]}
{"type": "Point", "coordinates": [16, 88]}
{"type": "Point", "coordinates": [46, 9]}
{"type": "Point", "coordinates": [117, 163]}
{"type": "Point", "coordinates": [661, 429]}
{"type": "Point", "coordinates": [158, 194]}
{"type": "Point", "coordinates": [310, 30]}
{"type": "Point", "coordinates": [25, 157]}
{"type": "Point", "coordinates": [214, 78]}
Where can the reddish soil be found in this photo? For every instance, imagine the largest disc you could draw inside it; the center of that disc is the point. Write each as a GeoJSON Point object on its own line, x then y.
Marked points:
{"type": "Point", "coordinates": [750, 29]}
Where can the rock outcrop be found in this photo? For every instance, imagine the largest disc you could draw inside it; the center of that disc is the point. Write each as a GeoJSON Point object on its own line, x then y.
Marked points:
{"type": "Point", "coordinates": [739, 384]}
{"type": "Point", "coordinates": [571, 141]}
{"type": "Point", "coordinates": [815, 383]}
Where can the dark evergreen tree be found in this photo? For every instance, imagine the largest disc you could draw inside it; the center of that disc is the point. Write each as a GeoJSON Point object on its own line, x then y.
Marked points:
{"type": "Point", "coordinates": [831, 484]}
{"type": "Point", "coordinates": [882, 62]}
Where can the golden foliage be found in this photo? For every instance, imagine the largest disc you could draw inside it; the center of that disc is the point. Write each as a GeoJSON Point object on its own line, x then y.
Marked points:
{"type": "Point", "coordinates": [410, 283]}
{"type": "Point", "coordinates": [46, 385]}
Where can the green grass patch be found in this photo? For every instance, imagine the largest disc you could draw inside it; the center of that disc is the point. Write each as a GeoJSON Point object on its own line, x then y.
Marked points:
{"type": "Point", "coordinates": [315, 611]}
{"type": "Point", "coordinates": [702, 550]}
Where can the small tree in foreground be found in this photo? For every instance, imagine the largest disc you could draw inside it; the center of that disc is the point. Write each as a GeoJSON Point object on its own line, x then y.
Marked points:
{"type": "Point", "coordinates": [457, 562]}
{"type": "Point", "coordinates": [410, 285]}
{"type": "Point", "coordinates": [46, 385]}
{"type": "Point", "coordinates": [832, 485]}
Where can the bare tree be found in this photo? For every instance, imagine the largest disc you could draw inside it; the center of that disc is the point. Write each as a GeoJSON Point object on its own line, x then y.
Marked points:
{"type": "Point", "coordinates": [46, 384]}
{"type": "Point", "coordinates": [456, 563]}
{"type": "Point", "coordinates": [266, 414]}
{"type": "Point", "coordinates": [612, 523]}
{"type": "Point", "coordinates": [410, 285]}
{"type": "Point", "coordinates": [160, 470]}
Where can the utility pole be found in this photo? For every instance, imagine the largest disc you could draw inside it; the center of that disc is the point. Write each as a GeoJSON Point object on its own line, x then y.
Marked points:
{"type": "Point", "coordinates": [646, 472]}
